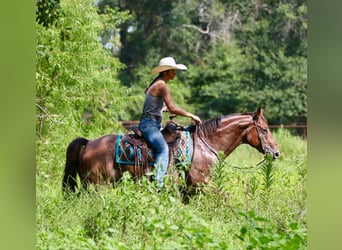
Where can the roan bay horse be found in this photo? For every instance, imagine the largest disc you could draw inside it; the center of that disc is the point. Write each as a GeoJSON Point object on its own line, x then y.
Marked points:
{"type": "Point", "coordinates": [94, 160]}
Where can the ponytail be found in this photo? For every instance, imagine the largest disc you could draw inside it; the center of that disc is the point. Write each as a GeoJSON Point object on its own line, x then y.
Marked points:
{"type": "Point", "coordinates": [155, 79]}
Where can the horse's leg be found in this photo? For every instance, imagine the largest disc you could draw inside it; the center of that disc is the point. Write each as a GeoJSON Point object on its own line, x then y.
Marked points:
{"type": "Point", "coordinates": [198, 175]}
{"type": "Point", "coordinates": [88, 173]}
{"type": "Point", "coordinates": [200, 167]}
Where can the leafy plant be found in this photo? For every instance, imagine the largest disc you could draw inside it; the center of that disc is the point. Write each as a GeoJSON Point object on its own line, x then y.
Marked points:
{"type": "Point", "coordinates": [76, 77]}
{"type": "Point", "coordinates": [134, 216]}
{"type": "Point", "coordinates": [218, 178]}
{"type": "Point", "coordinates": [79, 93]}
{"type": "Point", "coordinates": [259, 234]}
{"type": "Point", "coordinates": [267, 171]}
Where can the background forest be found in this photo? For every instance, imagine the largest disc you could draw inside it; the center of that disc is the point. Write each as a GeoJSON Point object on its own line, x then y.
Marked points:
{"type": "Point", "coordinates": [94, 59]}
{"type": "Point", "coordinates": [93, 62]}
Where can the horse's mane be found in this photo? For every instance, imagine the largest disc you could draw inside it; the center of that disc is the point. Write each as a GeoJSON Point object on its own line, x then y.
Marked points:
{"type": "Point", "coordinates": [211, 125]}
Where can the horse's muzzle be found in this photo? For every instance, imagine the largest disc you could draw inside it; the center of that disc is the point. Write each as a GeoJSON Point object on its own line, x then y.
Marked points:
{"type": "Point", "coordinates": [274, 152]}
{"type": "Point", "coordinates": [276, 155]}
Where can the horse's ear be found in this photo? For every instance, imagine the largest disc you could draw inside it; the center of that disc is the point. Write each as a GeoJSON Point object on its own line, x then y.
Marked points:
{"type": "Point", "coordinates": [258, 113]}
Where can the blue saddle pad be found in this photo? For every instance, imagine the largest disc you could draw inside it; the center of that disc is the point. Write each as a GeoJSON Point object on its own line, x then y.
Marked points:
{"type": "Point", "coordinates": [125, 153]}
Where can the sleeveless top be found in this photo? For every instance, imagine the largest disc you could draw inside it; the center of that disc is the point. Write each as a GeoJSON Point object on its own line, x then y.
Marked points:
{"type": "Point", "coordinates": [153, 105]}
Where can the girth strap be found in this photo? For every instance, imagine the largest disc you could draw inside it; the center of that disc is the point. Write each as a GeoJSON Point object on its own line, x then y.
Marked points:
{"type": "Point", "coordinates": [138, 142]}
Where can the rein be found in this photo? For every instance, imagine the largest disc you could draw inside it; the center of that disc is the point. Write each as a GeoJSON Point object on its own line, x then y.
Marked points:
{"type": "Point", "coordinates": [211, 149]}
{"type": "Point", "coordinates": [252, 166]}
{"type": "Point", "coordinates": [264, 149]}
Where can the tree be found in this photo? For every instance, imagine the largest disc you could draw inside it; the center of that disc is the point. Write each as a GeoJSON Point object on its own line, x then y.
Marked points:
{"type": "Point", "coordinates": [216, 81]}
{"type": "Point", "coordinates": [76, 77]}
{"type": "Point", "coordinates": [47, 12]}
{"type": "Point", "coordinates": [273, 40]}
{"type": "Point", "coordinates": [241, 54]}
{"type": "Point", "coordinates": [264, 64]}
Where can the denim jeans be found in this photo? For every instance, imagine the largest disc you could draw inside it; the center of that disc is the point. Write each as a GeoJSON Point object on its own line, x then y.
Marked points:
{"type": "Point", "coordinates": [150, 129]}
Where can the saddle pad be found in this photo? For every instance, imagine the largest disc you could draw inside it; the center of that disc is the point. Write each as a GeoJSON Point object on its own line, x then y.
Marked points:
{"type": "Point", "coordinates": [125, 154]}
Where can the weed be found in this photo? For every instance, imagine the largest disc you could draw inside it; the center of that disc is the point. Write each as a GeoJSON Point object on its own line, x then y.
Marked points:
{"type": "Point", "coordinates": [267, 171]}
{"type": "Point", "coordinates": [258, 233]}
{"type": "Point", "coordinates": [218, 175]}
{"type": "Point", "coordinates": [132, 215]}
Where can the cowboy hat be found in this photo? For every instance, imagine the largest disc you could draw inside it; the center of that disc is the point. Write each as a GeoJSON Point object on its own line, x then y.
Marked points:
{"type": "Point", "coordinates": [167, 63]}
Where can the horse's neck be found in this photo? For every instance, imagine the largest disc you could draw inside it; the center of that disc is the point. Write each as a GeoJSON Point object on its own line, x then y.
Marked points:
{"type": "Point", "coordinates": [230, 134]}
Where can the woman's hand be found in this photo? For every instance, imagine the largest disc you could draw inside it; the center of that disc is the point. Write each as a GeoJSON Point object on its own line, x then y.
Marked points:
{"type": "Point", "coordinates": [165, 109]}
{"type": "Point", "coordinates": [196, 119]}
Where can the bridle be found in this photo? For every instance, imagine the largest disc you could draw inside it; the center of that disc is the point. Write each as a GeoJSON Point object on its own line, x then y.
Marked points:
{"type": "Point", "coordinates": [260, 133]}
{"type": "Point", "coordinates": [264, 148]}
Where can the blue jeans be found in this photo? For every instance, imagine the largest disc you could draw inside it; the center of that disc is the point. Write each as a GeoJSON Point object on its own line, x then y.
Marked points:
{"type": "Point", "coordinates": [150, 129]}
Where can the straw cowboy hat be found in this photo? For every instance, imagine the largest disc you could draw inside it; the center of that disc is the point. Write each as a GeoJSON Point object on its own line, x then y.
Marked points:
{"type": "Point", "coordinates": [167, 63]}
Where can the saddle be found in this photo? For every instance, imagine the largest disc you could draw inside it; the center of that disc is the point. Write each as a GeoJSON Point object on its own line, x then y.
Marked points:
{"type": "Point", "coordinates": [171, 133]}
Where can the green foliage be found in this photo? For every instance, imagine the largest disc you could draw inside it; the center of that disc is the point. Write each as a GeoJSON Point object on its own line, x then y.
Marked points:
{"type": "Point", "coordinates": [216, 81]}
{"type": "Point", "coordinates": [47, 12]}
{"type": "Point", "coordinates": [241, 54]}
{"type": "Point", "coordinates": [76, 78]}
{"type": "Point", "coordinates": [227, 215]}
{"type": "Point", "coordinates": [257, 234]}
{"type": "Point", "coordinates": [267, 171]}
{"type": "Point", "coordinates": [217, 175]}
{"type": "Point", "coordinates": [273, 40]}
{"type": "Point", "coordinates": [260, 58]}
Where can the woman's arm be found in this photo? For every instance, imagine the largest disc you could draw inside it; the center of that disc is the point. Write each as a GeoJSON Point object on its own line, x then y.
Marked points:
{"type": "Point", "coordinates": [164, 91]}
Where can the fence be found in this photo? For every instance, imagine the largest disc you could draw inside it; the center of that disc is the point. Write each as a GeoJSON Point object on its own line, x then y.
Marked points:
{"type": "Point", "coordinates": [300, 129]}
{"type": "Point", "coordinates": [127, 124]}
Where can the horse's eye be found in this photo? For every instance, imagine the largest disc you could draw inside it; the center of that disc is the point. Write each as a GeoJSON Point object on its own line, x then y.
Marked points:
{"type": "Point", "coordinates": [264, 131]}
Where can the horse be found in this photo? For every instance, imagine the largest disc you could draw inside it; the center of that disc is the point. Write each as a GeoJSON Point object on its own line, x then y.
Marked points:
{"type": "Point", "coordinates": [95, 160]}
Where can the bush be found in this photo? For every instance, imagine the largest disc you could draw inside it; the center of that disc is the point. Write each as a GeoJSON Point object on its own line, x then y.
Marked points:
{"type": "Point", "coordinates": [230, 213]}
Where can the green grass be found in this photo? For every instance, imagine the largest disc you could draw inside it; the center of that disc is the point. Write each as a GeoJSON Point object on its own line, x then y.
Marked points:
{"type": "Point", "coordinates": [239, 209]}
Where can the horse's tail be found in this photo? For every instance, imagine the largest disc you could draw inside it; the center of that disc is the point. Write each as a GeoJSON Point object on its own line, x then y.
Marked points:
{"type": "Point", "coordinates": [71, 164]}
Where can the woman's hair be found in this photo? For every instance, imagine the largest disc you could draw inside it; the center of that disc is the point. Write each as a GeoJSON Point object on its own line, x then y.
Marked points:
{"type": "Point", "coordinates": [154, 80]}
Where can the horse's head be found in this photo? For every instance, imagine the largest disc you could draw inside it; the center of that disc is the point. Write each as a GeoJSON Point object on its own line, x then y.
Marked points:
{"type": "Point", "coordinates": [260, 137]}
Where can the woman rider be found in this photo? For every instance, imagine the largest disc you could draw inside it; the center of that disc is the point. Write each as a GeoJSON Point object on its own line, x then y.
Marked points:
{"type": "Point", "coordinates": [157, 94]}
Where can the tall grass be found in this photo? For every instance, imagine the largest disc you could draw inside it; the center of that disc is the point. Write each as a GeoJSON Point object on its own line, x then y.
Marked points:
{"type": "Point", "coordinates": [231, 212]}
